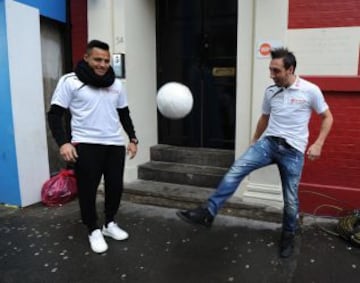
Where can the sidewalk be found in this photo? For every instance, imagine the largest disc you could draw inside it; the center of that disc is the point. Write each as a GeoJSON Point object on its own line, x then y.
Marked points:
{"type": "Point", "coordinates": [40, 244]}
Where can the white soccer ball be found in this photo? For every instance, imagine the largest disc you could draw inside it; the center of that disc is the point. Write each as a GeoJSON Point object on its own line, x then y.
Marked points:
{"type": "Point", "coordinates": [174, 100]}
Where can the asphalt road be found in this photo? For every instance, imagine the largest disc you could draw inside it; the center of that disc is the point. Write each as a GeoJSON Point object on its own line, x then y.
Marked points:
{"type": "Point", "coordinates": [41, 244]}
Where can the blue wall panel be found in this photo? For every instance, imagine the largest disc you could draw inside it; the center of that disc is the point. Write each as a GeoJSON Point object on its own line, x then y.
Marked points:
{"type": "Point", "coordinates": [9, 181]}
{"type": "Point", "coordinates": [53, 9]}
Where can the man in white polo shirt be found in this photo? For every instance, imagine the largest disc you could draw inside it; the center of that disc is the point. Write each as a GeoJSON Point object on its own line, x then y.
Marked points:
{"type": "Point", "coordinates": [99, 114]}
{"type": "Point", "coordinates": [280, 138]}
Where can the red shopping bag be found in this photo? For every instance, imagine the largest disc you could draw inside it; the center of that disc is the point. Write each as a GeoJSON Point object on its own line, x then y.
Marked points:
{"type": "Point", "coordinates": [59, 189]}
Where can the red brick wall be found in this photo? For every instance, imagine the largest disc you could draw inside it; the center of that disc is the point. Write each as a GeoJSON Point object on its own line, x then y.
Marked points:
{"type": "Point", "coordinates": [323, 13]}
{"type": "Point", "coordinates": [333, 180]}
{"type": "Point", "coordinates": [337, 173]}
{"type": "Point", "coordinates": [79, 33]}
{"type": "Point", "coordinates": [342, 150]}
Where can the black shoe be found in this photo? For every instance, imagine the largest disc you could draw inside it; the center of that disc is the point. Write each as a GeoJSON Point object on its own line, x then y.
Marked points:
{"type": "Point", "coordinates": [198, 215]}
{"type": "Point", "coordinates": [287, 244]}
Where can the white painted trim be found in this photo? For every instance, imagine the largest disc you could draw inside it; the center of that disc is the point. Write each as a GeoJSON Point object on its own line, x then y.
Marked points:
{"type": "Point", "coordinates": [255, 24]}
{"type": "Point", "coordinates": [263, 194]}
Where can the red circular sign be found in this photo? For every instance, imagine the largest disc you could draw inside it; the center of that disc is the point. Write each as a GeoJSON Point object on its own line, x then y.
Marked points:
{"type": "Point", "coordinates": [265, 49]}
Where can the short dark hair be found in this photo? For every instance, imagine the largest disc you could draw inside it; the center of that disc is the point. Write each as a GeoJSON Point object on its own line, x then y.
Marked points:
{"type": "Point", "coordinates": [97, 44]}
{"type": "Point", "coordinates": [287, 56]}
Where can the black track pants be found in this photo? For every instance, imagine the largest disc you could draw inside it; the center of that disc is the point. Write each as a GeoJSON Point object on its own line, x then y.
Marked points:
{"type": "Point", "coordinates": [95, 161]}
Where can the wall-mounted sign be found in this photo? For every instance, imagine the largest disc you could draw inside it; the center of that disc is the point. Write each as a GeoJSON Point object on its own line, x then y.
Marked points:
{"type": "Point", "coordinates": [118, 64]}
{"type": "Point", "coordinates": [223, 71]}
{"type": "Point", "coordinates": [264, 47]}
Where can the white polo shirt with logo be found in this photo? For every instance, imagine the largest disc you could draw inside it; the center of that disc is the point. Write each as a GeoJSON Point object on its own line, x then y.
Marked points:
{"type": "Point", "coordinates": [94, 116]}
{"type": "Point", "coordinates": [290, 111]}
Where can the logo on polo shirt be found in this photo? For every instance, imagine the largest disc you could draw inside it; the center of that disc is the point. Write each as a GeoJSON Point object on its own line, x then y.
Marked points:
{"type": "Point", "coordinates": [297, 100]}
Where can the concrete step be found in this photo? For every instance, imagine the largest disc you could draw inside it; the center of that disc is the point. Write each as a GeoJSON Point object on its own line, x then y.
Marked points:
{"type": "Point", "coordinates": [181, 173]}
{"type": "Point", "coordinates": [189, 155]}
{"type": "Point", "coordinates": [187, 196]}
{"type": "Point", "coordinates": [183, 177]}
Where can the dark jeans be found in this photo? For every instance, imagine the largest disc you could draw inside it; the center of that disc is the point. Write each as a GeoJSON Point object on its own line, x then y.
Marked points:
{"type": "Point", "coordinates": [95, 161]}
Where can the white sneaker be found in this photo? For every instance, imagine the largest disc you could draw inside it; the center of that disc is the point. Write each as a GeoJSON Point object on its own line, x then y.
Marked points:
{"type": "Point", "coordinates": [97, 241]}
{"type": "Point", "coordinates": [114, 231]}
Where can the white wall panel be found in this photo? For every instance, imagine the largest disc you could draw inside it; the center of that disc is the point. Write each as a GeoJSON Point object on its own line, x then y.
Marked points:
{"type": "Point", "coordinates": [330, 51]}
{"type": "Point", "coordinates": [24, 48]}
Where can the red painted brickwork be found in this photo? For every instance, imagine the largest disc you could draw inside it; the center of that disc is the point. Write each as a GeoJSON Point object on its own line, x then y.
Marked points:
{"type": "Point", "coordinates": [337, 173]}
{"type": "Point", "coordinates": [336, 83]}
{"type": "Point", "coordinates": [323, 13]}
{"type": "Point", "coordinates": [79, 33]}
{"type": "Point", "coordinates": [334, 180]}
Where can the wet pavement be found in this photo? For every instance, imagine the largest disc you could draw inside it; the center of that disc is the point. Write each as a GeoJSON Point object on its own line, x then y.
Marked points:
{"type": "Point", "coordinates": [41, 244]}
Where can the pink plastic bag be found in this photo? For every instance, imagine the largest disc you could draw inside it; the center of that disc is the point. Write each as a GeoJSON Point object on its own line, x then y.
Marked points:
{"type": "Point", "coordinates": [59, 189]}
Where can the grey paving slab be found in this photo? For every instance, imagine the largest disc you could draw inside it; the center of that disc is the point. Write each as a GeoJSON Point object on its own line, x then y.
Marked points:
{"type": "Point", "coordinates": [40, 244]}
